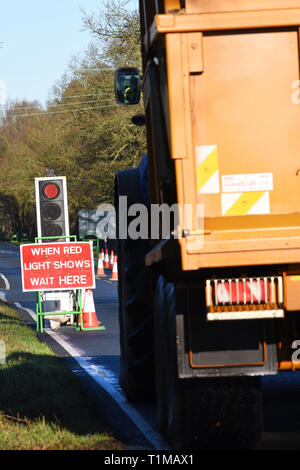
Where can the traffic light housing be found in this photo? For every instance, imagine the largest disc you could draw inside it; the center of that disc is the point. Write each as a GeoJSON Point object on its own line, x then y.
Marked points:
{"type": "Point", "coordinates": [52, 207]}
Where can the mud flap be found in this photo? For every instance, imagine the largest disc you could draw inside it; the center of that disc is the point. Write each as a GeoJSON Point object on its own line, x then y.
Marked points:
{"type": "Point", "coordinates": [221, 349]}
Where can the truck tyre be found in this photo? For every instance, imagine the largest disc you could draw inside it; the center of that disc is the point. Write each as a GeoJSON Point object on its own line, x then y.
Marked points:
{"type": "Point", "coordinates": [170, 394]}
{"type": "Point", "coordinates": [135, 301]}
{"type": "Point", "coordinates": [200, 413]}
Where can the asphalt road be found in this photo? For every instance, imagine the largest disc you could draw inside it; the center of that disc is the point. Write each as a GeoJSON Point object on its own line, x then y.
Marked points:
{"type": "Point", "coordinates": [96, 354]}
{"type": "Point", "coordinates": [100, 350]}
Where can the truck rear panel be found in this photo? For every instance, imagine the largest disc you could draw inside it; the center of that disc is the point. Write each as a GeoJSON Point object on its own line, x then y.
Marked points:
{"type": "Point", "coordinates": [234, 123]}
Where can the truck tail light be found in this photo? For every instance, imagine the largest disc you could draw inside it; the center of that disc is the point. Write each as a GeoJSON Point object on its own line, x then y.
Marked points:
{"type": "Point", "coordinates": [244, 298]}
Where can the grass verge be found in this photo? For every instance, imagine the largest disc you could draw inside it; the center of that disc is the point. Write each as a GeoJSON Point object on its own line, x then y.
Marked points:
{"type": "Point", "coordinates": [42, 404]}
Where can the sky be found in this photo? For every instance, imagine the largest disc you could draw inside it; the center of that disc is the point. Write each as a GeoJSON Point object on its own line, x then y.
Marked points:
{"type": "Point", "coordinates": [39, 39]}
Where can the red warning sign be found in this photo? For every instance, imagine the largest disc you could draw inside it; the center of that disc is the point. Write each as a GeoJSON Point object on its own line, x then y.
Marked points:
{"type": "Point", "coordinates": [57, 266]}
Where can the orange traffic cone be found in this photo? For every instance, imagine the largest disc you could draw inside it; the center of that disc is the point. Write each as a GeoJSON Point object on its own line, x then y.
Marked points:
{"type": "Point", "coordinates": [114, 276]}
{"type": "Point", "coordinates": [106, 260]}
{"type": "Point", "coordinates": [89, 316]}
{"type": "Point", "coordinates": [100, 270]}
{"type": "Point", "coordinates": [112, 257]}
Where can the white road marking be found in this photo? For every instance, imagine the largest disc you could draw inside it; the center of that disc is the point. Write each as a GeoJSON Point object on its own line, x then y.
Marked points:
{"type": "Point", "coordinates": [106, 280]}
{"type": "Point", "coordinates": [101, 376]}
{"type": "Point", "coordinates": [6, 281]}
{"type": "Point", "coordinates": [3, 296]}
{"type": "Point", "coordinates": [5, 252]}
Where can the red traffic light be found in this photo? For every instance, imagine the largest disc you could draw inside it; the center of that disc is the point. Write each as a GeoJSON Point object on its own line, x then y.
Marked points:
{"type": "Point", "coordinates": [51, 191]}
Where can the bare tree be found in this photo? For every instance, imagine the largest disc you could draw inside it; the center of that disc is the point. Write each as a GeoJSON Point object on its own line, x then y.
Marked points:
{"type": "Point", "coordinates": [117, 28]}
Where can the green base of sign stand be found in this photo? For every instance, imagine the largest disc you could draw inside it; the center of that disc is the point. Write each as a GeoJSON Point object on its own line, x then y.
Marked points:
{"type": "Point", "coordinates": [80, 326]}
{"type": "Point", "coordinates": [92, 328]}
{"type": "Point", "coordinates": [40, 314]}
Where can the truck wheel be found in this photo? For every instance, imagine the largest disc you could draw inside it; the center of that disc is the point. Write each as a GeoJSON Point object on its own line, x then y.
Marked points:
{"type": "Point", "coordinates": [135, 302]}
{"type": "Point", "coordinates": [200, 413]}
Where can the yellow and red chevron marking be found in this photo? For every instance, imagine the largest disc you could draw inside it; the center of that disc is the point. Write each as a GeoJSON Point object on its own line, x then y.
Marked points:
{"type": "Point", "coordinates": [207, 169]}
{"type": "Point", "coordinates": [256, 202]}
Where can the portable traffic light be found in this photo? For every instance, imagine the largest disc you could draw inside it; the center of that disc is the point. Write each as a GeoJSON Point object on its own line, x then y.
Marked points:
{"type": "Point", "coordinates": [52, 207]}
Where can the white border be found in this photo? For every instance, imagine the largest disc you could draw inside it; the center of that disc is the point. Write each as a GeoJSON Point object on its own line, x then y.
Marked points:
{"type": "Point", "coordinates": [90, 243]}
{"type": "Point", "coordinates": [245, 315]}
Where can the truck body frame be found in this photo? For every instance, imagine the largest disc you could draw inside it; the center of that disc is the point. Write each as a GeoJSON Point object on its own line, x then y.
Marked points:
{"type": "Point", "coordinates": [211, 109]}
{"type": "Point", "coordinates": [221, 85]}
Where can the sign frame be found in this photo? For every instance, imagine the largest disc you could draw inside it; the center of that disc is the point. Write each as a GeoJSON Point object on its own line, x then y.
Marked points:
{"type": "Point", "coordinates": [51, 287]}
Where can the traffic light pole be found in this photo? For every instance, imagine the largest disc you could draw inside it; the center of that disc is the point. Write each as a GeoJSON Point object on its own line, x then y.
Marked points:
{"type": "Point", "coordinates": [53, 224]}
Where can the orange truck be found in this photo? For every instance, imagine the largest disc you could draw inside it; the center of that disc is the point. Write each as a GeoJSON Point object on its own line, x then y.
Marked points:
{"type": "Point", "coordinates": [210, 309]}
